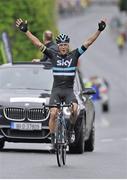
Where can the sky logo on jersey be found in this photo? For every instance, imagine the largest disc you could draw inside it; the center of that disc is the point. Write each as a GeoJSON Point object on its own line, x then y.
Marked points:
{"type": "Point", "coordinates": [62, 62]}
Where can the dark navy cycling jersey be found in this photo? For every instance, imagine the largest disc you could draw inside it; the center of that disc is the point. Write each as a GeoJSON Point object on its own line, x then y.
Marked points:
{"type": "Point", "coordinates": [52, 45]}
{"type": "Point", "coordinates": [64, 66]}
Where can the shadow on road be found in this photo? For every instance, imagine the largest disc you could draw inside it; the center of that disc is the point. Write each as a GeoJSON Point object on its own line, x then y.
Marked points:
{"type": "Point", "coordinates": [25, 151]}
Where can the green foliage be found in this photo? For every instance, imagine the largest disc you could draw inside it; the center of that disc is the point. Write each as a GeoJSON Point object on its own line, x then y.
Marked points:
{"type": "Point", "coordinates": [123, 5]}
{"type": "Point", "coordinates": [40, 14]}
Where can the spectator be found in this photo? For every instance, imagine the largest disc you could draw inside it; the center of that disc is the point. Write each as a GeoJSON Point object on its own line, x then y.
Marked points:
{"type": "Point", "coordinates": [120, 42]}
{"type": "Point", "coordinates": [49, 42]}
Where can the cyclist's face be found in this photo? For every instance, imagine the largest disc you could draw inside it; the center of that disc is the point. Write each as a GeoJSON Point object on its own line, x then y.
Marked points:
{"type": "Point", "coordinates": [63, 48]}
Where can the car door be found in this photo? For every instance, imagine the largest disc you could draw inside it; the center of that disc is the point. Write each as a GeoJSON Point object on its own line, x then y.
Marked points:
{"type": "Point", "coordinates": [87, 104]}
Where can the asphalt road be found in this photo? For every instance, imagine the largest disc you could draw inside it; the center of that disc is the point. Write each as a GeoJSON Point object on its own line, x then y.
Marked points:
{"type": "Point", "coordinates": [109, 160]}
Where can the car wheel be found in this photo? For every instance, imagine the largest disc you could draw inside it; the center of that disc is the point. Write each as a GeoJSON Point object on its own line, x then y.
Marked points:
{"type": "Point", "coordinates": [78, 146]}
{"type": "Point", "coordinates": [2, 142]}
{"type": "Point", "coordinates": [89, 144]}
{"type": "Point", "coordinates": [105, 107]}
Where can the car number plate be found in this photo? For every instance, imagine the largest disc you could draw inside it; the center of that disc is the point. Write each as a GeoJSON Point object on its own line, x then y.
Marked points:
{"type": "Point", "coordinates": [26, 126]}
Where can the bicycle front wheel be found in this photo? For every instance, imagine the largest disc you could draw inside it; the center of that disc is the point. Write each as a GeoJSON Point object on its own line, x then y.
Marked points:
{"type": "Point", "coordinates": [59, 152]}
{"type": "Point", "coordinates": [64, 154]}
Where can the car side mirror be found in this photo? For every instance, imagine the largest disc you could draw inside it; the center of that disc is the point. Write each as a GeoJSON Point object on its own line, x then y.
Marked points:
{"type": "Point", "coordinates": [88, 91]}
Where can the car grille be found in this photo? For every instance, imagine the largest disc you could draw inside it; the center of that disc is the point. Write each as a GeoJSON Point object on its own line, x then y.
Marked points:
{"type": "Point", "coordinates": [14, 113]}
{"type": "Point", "coordinates": [34, 114]}
{"type": "Point", "coordinates": [26, 134]}
{"type": "Point", "coordinates": [20, 114]}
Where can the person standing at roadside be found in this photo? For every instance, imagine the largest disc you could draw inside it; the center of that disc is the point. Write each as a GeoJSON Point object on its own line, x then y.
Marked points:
{"type": "Point", "coordinates": [121, 42]}
{"type": "Point", "coordinates": [49, 43]}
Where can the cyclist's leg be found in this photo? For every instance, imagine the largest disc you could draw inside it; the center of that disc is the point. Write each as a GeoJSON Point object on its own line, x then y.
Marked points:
{"type": "Point", "coordinates": [53, 115]}
{"type": "Point", "coordinates": [54, 99]}
{"type": "Point", "coordinates": [74, 113]}
{"type": "Point", "coordinates": [71, 98]}
{"type": "Point", "coordinates": [52, 126]}
{"type": "Point", "coordinates": [52, 120]}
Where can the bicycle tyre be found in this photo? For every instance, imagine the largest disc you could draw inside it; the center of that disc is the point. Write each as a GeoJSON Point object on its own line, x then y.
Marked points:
{"type": "Point", "coordinates": [59, 155]}
{"type": "Point", "coordinates": [64, 154]}
{"type": "Point", "coordinates": [61, 139]}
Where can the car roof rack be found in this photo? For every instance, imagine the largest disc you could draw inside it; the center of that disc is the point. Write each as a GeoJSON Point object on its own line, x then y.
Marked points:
{"type": "Point", "coordinates": [25, 62]}
{"type": "Point", "coordinates": [47, 65]}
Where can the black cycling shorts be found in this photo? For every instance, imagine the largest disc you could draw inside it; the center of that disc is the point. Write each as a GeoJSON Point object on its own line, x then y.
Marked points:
{"type": "Point", "coordinates": [65, 95]}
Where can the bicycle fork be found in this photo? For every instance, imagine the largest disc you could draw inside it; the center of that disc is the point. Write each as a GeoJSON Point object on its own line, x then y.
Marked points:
{"type": "Point", "coordinates": [61, 132]}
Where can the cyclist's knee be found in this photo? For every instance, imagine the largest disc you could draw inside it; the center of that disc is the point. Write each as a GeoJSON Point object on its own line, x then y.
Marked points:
{"type": "Point", "coordinates": [75, 107]}
{"type": "Point", "coordinates": [53, 113]}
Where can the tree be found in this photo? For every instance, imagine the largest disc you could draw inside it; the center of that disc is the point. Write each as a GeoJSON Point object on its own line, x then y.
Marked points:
{"type": "Point", "coordinates": [41, 15]}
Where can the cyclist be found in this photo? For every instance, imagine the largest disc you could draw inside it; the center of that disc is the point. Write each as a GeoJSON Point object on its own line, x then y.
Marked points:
{"type": "Point", "coordinates": [48, 41]}
{"type": "Point", "coordinates": [64, 67]}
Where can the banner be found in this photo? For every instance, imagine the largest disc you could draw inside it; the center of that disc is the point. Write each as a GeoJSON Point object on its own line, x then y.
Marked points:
{"type": "Point", "coordinates": [7, 47]}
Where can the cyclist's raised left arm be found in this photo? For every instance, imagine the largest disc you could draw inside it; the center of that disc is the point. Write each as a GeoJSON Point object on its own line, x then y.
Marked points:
{"type": "Point", "coordinates": [92, 38]}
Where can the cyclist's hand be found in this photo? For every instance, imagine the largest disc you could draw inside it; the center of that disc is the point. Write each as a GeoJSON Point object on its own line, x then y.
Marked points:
{"type": "Point", "coordinates": [102, 25]}
{"type": "Point", "coordinates": [23, 26]}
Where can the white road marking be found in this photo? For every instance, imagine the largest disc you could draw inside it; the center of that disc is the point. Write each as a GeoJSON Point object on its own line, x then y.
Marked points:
{"type": "Point", "coordinates": [111, 139]}
{"type": "Point", "coordinates": [107, 140]}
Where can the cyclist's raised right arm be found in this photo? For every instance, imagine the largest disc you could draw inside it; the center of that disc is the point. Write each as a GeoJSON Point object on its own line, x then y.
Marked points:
{"type": "Point", "coordinates": [23, 26]}
{"type": "Point", "coordinates": [34, 39]}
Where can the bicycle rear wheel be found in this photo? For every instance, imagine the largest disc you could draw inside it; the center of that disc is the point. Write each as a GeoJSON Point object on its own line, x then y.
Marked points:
{"type": "Point", "coordinates": [59, 154]}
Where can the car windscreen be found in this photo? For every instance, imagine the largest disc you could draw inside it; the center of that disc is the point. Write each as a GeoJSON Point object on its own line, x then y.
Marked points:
{"type": "Point", "coordinates": [26, 78]}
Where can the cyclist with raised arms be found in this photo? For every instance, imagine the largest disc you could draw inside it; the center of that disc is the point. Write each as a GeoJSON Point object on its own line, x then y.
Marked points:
{"type": "Point", "coordinates": [64, 68]}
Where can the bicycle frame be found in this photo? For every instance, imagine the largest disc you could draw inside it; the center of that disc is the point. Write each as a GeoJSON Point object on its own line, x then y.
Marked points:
{"type": "Point", "coordinates": [61, 128]}
{"type": "Point", "coordinates": [61, 134]}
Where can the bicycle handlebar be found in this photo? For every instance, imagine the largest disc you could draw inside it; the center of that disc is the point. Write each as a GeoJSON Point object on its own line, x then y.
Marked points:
{"type": "Point", "coordinates": [58, 105]}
